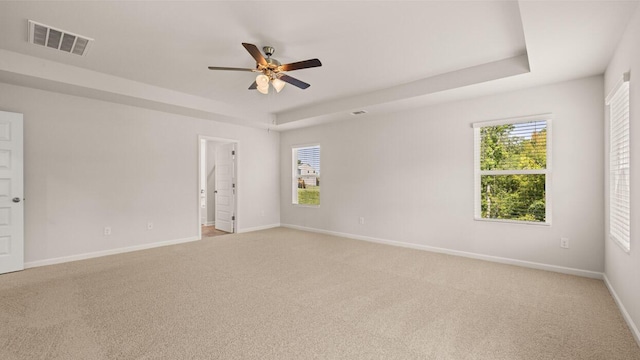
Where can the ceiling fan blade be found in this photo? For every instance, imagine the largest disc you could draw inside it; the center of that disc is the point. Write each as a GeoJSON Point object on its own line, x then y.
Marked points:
{"type": "Point", "coordinates": [301, 65]}
{"type": "Point", "coordinates": [253, 86]}
{"type": "Point", "coordinates": [228, 68]}
{"type": "Point", "coordinates": [293, 81]}
{"type": "Point", "coordinates": [255, 52]}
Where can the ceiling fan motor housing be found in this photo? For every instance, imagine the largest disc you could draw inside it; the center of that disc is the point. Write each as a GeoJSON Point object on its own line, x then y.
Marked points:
{"type": "Point", "coordinates": [272, 63]}
{"type": "Point", "coordinates": [269, 50]}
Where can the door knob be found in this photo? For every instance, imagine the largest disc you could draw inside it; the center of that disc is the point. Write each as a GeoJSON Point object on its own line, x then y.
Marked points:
{"type": "Point", "coordinates": [16, 199]}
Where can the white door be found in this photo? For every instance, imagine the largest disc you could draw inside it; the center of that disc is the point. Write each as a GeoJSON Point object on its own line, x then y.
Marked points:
{"type": "Point", "coordinates": [11, 193]}
{"type": "Point", "coordinates": [225, 191]}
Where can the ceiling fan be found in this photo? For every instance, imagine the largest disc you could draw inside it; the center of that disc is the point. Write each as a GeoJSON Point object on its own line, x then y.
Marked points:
{"type": "Point", "coordinates": [271, 71]}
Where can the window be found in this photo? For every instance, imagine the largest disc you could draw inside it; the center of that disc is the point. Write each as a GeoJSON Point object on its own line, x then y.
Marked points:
{"type": "Point", "coordinates": [513, 170]}
{"type": "Point", "coordinates": [306, 175]}
{"type": "Point", "coordinates": [619, 185]}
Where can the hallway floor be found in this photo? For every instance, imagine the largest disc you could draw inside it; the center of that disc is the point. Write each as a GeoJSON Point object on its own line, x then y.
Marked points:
{"type": "Point", "coordinates": [211, 231]}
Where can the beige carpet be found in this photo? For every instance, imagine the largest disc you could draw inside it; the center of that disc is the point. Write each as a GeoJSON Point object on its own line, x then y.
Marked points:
{"type": "Point", "coordinates": [286, 294]}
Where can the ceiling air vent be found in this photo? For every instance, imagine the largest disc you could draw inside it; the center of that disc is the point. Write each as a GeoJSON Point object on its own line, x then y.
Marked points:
{"type": "Point", "coordinates": [359, 112]}
{"type": "Point", "coordinates": [62, 40]}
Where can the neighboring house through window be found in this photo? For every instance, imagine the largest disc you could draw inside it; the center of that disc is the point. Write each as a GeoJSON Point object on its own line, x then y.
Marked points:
{"type": "Point", "coordinates": [306, 175]}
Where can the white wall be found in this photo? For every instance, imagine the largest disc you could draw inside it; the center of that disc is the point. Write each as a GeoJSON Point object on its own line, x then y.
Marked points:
{"type": "Point", "coordinates": [91, 164]}
{"type": "Point", "coordinates": [622, 269]}
{"type": "Point", "coordinates": [419, 186]}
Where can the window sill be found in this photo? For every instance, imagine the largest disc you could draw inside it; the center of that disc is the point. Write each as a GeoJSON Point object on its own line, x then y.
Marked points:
{"type": "Point", "coordinates": [306, 206]}
{"type": "Point", "coordinates": [513, 221]}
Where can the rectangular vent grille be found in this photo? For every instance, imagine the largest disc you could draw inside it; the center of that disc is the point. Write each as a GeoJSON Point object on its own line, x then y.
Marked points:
{"type": "Point", "coordinates": [62, 40]}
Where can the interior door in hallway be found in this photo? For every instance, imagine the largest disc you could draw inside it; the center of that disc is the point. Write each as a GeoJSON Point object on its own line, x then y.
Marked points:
{"type": "Point", "coordinates": [225, 189]}
{"type": "Point", "coordinates": [11, 193]}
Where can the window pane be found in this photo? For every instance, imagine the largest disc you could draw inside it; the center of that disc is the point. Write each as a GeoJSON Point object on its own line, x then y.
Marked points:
{"type": "Point", "coordinates": [513, 197]}
{"type": "Point", "coordinates": [307, 175]}
{"type": "Point", "coordinates": [519, 146]}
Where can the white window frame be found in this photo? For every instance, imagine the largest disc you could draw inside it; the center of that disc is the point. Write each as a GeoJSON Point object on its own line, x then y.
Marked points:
{"type": "Point", "coordinates": [294, 174]}
{"type": "Point", "coordinates": [479, 173]}
{"type": "Point", "coordinates": [620, 90]}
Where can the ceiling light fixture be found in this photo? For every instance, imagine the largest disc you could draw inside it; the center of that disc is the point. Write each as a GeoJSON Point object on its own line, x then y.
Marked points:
{"type": "Point", "coordinates": [278, 84]}
{"type": "Point", "coordinates": [263, 90]}
{"type": "Point", "coordinates": [268, 77]}
{"type": "Point", "coordinates": [262, 83]}
{"type": "Point", "coordinates": [271, 70]}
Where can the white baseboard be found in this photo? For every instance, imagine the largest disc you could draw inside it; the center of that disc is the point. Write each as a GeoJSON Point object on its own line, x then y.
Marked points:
{"type": "Point", "coordinates": [210, 223]}
{"type": "Point", "coordinates": [623, 310]}
{"type": "Point", "coordinates": [256, 228]}
{"type": "Point", "coordinates": [497, 259]}
{"type": "Point", "coordinates": [96, 254]}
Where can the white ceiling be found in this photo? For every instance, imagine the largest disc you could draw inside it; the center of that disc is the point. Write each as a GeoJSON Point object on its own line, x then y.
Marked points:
{"type": "Point", "coordinates": [379, 55]}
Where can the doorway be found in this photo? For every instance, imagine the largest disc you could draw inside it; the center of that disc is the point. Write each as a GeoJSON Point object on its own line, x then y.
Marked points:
{"type": "Point", "coordinates": [217, 186]}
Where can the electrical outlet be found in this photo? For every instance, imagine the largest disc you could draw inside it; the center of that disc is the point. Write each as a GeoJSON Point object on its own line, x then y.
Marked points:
{"type": "Point", "coordinates": [149, 225]}
{"type": "Point", "coordinates": [107, 230]}
{"type": "Point", "coordinates": [564, 243]}
{"type": "Point", "coordinates": [361, 220]}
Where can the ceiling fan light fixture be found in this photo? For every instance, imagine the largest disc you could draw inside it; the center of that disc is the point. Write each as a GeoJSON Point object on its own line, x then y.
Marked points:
{"type": "Point", "coordinates": [263, 89]}
{"type": "Point", "coordinates": [278, 84]}
{"type": "Point", "coordinates": [262, 80]}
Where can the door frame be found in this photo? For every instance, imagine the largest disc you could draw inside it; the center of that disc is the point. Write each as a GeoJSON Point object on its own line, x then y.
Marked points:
{"type": "Point", "coordinates": [237, 177]}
